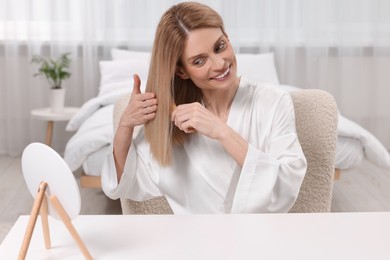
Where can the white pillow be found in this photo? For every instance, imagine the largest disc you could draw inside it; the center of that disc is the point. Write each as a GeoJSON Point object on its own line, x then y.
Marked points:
{"type": "Point", "coordinates": [118, 54]}
{"type": "Point", "coordinates": [119, 74]}
{"type": "Point", "coordinates": [257, 67]}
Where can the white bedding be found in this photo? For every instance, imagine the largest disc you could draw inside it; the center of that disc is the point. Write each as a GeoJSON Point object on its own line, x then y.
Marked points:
{"type": "Point", "coordinates": [94, 133]}
{"type": "Point", "coordinates": [94, 162]}
{"type": "Point", "coordinates": [94, 126]}
{"type": "Point", "coordinates": [349, 152]}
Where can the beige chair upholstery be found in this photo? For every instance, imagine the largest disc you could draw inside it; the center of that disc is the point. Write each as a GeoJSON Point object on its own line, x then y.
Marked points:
{"type": "Point", "coordinates": [316, 119]}
{"type": "Point", "coordinates": [316, 122]}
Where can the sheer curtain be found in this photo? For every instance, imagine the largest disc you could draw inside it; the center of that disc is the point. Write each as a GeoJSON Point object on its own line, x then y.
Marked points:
{"type": "Point", "coordinates": [342, 46]}
{"type": "Point", "coordinates": [87, 29]}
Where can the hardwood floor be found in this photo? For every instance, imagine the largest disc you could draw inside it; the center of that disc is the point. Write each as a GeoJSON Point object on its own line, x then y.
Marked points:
{"type": "Point", "coordinates": [366, 188]}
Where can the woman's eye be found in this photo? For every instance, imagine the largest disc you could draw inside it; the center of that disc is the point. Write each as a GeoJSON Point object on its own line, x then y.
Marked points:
{"type": "Point", "coordinates": [198, 62]}
{"type": "Point", "coordinates": [220, 46]}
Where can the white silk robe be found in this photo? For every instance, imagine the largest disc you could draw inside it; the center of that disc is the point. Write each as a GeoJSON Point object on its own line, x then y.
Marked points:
{"type": "Point", "coordinates": [205, 179]}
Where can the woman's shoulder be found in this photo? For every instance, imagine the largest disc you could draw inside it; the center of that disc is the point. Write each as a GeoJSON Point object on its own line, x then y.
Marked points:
{"type": "Point", "coordinates": [261, 90]}
{"type": "Point", "coordinates": [264, 97]}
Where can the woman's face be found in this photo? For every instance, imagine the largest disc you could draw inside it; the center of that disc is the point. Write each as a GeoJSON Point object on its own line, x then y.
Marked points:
{"type": "Point", "coordinates": [208, 60]}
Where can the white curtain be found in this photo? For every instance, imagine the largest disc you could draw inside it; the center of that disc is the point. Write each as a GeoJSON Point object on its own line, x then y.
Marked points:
{"type": "Point", "coordinates": [342, 46]}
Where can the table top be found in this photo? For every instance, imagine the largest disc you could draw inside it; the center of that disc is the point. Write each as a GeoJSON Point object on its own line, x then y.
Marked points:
{"type": "Point", "coordinates": [255, 236]}
{"type": "Point", "coordinates": [46, 114]}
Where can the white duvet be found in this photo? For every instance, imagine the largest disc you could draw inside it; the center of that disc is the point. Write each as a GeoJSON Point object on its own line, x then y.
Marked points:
{"type": "Point", "coordinates": [94, 128]}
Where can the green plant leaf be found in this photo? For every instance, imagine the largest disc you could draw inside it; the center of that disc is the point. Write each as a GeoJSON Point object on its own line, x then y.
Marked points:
{"type": "Point", "coordinates": [55, 71]}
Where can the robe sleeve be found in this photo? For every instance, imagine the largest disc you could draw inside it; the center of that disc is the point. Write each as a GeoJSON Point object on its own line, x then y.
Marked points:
{"type": "Point", "coordinates": [270, 178]}
{"type": "Point", "coordinates": [137, 182]}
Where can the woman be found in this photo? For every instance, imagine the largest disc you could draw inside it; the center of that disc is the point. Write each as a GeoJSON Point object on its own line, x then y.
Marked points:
{"type": "Point", "coordinates": [230, 146]}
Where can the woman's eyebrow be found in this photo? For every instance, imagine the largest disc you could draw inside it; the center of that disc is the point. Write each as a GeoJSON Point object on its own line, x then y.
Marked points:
{"type": "Point", "coordinates": [199, 55]}
{"type": "Point", "coordinates": [218, 40]}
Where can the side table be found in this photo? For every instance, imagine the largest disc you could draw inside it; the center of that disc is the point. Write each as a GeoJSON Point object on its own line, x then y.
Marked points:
{"type": "Point", "coordinates": [47, 115]}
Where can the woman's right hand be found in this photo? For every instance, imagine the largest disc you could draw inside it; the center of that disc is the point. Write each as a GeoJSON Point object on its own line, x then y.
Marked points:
{"type": "Point", "coordinates": [142, 107]}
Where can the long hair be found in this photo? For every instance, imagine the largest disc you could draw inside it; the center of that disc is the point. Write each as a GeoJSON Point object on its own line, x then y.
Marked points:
{"type": "Point", "coordinates": [170, 89]}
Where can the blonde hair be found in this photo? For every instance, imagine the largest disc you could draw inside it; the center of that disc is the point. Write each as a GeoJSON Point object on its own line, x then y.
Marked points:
{"type": "Point", "coordinates": [168, 46]}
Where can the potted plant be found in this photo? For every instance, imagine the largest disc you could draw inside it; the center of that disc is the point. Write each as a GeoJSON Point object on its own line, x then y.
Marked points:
{"type": "Point", "coordinates": [55, 71]}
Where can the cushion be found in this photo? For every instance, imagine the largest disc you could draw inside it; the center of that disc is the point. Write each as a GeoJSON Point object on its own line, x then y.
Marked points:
{"type": "Point", "coordinates": [257, 67]}
{"type": "Point", "coordinates": [118, 74]}
{"type": "Point", "coordinates": [118, 54]}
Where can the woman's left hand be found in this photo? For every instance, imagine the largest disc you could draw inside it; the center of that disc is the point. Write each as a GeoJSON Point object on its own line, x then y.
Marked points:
{"type": "Point", "coordinates": [195, 117]}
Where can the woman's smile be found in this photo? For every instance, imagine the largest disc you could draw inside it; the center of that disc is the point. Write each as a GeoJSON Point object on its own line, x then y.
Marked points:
{"type": "Point", "coordinates": [222, 76]}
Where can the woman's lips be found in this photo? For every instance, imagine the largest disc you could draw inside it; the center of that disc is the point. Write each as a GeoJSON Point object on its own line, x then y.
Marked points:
{"type": "Point", "coordinates": [223, 75]}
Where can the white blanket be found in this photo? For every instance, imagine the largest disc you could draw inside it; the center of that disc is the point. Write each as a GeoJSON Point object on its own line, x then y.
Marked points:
{"type": "Point", "coordinates": [94, 128]}
{"type": "Point", "coordinates": [373, 149]}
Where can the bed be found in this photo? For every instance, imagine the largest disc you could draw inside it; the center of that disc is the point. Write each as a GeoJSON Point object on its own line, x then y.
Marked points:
{"type": "Point", "coordinates": [93, 124]}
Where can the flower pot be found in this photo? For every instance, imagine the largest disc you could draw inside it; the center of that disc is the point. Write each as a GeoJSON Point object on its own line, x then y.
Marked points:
{"type": "Point", "coordinates": [57, 100]}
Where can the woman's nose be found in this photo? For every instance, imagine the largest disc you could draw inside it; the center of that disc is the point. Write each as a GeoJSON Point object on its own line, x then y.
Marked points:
{"type": "Point", "coordinates": [217, 62]}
